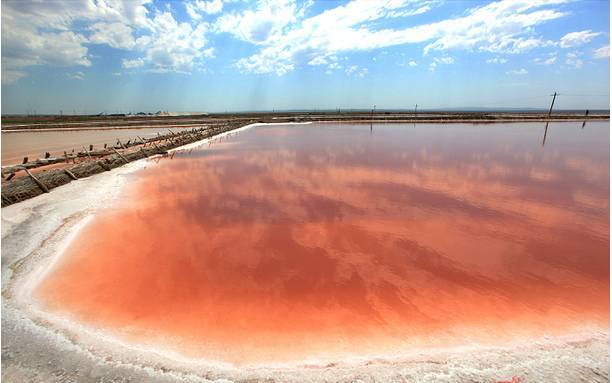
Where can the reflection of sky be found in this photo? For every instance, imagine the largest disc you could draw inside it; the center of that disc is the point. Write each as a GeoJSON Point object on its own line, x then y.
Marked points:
{"type": "Point", "coordinates": [294, 240]}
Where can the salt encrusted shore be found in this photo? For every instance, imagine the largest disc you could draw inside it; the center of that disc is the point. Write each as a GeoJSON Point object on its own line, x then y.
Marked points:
{"type": "Point", "coordinates": [38, 346]}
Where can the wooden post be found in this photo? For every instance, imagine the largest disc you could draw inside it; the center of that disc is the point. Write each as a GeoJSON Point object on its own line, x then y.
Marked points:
{"type": "Point", "coordinates": [157, 147]}
{"type": "Point", "coordinates": [25, 160]}
{"type": "Point", "coordinates": [40, 184]}
{"type": "Point", "coordinates": [88, 155]}
{"type": "Point", "coordinates": [121, 155]}
{"type": "Point", "coordinates": [70, 174]}
{"type": "Point", "coordinates": [10, 176]}
{"type": "Point", "coordinates": [90, 147]}
{"type": "Point", "coordinates": [120, 144]}
{"type": "Point", "coordinates": [47, 154]}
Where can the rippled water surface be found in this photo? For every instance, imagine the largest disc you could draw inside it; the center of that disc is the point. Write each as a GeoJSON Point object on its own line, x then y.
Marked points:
{"type": "Point", "coordinates": [284, 243]}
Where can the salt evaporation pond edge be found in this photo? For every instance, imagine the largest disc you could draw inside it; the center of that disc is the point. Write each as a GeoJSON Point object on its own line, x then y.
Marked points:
{"type": "Point", "coordinates": [30, 250]}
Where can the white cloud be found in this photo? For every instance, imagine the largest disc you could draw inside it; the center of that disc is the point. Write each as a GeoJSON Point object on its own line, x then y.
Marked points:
{"type": "Point", "coordinates": [261, 25]}
{"type": "Point", "coordinates": [319, 60]}
{"type": "Point", "coordinates": [354, 70]}
{"type": "Point", "coordinates": [116, 35]}
{"type": "Point", "coordinates": [192, 11]}
{"type": "Point", "coordinates": [444, 60]}
{"type": "Point", "coordinates": [497, 60]}
{"type": "Point", "coordinates": [334, 65]}
{"type": "Point", "coordinates": [412, 63]}
{"type": "Point", "coordinates": [40, 33]}
{"type": "Point", "coordinates": [551, 59]}
{"type": "Point", "coordinates": [602, 53]}
{"type": "Point", "coordinates": [196, 8]}
{"type": "Point", "coordinates": [575, 39]}
{"type": "Point", "coordinates": [77, 75]}
{"type": "Point", "coordinates": [44, 33]}
{"type": "Point", "coordinates": [573, 59]}
{"type": "Point", "coordinates": [517, 72]}
{"type": "Point", "coordinates": [11, 75]}
{"type": "Point", "coordinates": [440, 61]}
{"type": "Point", "coordinates": [175, 46]}
{"type": "Point", "coordinates": [501, 27]}
{"type": "Point", "coordinates": [135, 63]}
{"type": "Point", "coordinates": [516, 45]}
{"type": "Point", "coordinates": [420, 8]}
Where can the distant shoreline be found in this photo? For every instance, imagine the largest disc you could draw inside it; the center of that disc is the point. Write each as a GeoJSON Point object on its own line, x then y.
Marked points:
{"type": "Point", "coordinates": [50, 122]}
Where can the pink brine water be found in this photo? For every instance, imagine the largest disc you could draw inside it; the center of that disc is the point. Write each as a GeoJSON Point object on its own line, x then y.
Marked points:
{"type": "Point", "coordinates": [308, 242]}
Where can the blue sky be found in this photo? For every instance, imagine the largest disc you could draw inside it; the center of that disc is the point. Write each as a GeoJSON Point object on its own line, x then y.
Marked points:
{"type": "Point", "coordinates": [219, 55]}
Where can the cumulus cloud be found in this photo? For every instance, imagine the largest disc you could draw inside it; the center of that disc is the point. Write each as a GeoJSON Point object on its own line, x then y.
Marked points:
{"type": "Point", "coordinates": [500, 27]}
{"type": "Point", "coordinates": [60, 32]}
{"type": "Point", "coordinates": [575, 39]}
{"type": "Point", "coordinates": [602, 53]}
{"type": "Point", "coordinates": [175, 46]}
{"type": "Point", "coordinates": [116, 35]}
{"type": "Point", "coordinates": [39, 34]}
{"type": "Point", "coordinates": [261, 25]}
{"type": "Point", "coordinates": [196, 8]}
{"type": "Point", "coordinates": [44, 33]}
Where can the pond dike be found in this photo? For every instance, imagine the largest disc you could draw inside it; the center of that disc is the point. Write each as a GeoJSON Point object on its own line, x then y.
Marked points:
{"type": "Point", "coordinates": [17, 189]}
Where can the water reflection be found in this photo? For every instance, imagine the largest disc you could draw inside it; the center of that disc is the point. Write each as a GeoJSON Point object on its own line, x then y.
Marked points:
{"type": "Point", "coordinates": [545, 131]}
{"type": "Point", "coordinates": [288, 242]}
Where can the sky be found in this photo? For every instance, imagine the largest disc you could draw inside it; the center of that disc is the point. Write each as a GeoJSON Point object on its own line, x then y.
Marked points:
{"type": "Point", "coordinates": [112, 56]}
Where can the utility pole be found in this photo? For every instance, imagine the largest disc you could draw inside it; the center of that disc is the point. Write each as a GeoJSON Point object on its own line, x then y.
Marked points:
{"type": "Point", "coordinates": [554, 96]}
{"type": "Point", "coordinates": [415, 109]}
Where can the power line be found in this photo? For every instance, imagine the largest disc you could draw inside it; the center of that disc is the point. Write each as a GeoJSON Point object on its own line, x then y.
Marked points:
{"type": "Point", "coordinates": [586, 95]}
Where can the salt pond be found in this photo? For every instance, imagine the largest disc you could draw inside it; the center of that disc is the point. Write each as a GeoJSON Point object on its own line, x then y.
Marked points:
{"type": "Point", "coordinates": [17, 144]}
{"type": "Point", "coordinates": [325, 241]}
